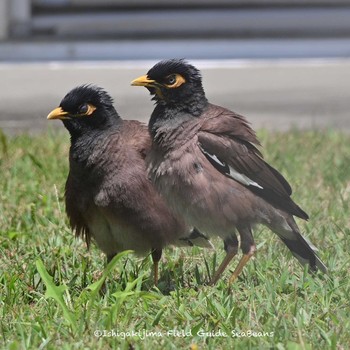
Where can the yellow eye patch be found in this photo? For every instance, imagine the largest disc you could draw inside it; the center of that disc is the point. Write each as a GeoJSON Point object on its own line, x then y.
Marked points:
{"type": "Point", "coordinates": [90, 109]}
{"type": "Point", "coordinates": [173, 81]}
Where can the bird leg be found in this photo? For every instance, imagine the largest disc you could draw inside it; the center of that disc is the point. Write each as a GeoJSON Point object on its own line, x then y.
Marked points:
{"type": "Point", "coordinates": [248, 249]}
{"type": "Point", "coordinates": [156, 255]}
{"type": "Point", "coordinates": [229, 256]}
{"type": "Point", "coordinates": [231, 247]}
{"type": "Point", "coordinates": [241, 264]}
{"type": "Point", "coordinates": [103, 289]}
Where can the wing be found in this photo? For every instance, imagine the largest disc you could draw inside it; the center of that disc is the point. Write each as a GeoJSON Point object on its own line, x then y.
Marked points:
{"type": "Point", "coordinates": [230, 145]}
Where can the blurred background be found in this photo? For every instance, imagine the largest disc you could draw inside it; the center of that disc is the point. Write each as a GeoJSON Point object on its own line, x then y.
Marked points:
{"type": "Point", "coordinates": [281, 63]}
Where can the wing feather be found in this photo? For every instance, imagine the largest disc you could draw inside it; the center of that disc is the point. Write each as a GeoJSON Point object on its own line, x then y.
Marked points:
{"type": "Point", "coordinates": [230, 145]}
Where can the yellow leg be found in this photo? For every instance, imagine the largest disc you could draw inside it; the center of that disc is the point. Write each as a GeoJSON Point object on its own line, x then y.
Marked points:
{"type": "Point", "coordinates": [155, 270]}
{"type": "Point", "coordinates": [241, 264]}
{"type": "Point", "coordinates": [229, 256]}
{"type": "Point", "coordinates": [156, 255]}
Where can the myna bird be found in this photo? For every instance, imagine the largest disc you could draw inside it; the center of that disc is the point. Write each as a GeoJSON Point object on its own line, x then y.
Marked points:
{"type": "Point", "coordinates": [206, 164]}
{"type": "Point", "coordinates": [108, 195]}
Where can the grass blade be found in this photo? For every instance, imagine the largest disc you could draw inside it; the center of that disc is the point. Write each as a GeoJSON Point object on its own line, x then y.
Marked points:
{"type": "Point", "coordinates": [56, 292]}
{"type": "Point", "coordinates": [95, 287]}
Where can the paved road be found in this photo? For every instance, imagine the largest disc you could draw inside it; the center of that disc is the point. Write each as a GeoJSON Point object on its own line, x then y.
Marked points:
{"type": "Point", "coordinates": [271, 94]}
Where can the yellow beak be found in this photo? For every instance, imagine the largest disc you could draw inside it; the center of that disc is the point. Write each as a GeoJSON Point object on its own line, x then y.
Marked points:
{"type": "Point", "coordinates": [143, 81]}
{"type": "Point", "coordinates": [57, 113]}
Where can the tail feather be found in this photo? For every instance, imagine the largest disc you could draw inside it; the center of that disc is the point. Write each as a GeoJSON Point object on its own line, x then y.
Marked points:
{"type": "Point", "coordinates": [304, 253]}
{"type": "Point", "coordinates": [303, 250]}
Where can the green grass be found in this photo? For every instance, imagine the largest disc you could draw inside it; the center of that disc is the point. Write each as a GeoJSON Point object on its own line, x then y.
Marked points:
{"type": "Point", "coordinates": [49, 282]}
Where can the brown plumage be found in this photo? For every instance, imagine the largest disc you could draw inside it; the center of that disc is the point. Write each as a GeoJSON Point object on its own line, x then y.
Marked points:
{"type": "Point", "coordinates": [205, 162]}
{"type": "Point", "coordinates": [108, 195]}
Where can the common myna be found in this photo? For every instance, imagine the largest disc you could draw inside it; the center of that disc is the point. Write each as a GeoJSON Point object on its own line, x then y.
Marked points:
{"type": "Point", "coordinates": [108, 195]}
{"type": "Point", "coordinates": [205, 162]}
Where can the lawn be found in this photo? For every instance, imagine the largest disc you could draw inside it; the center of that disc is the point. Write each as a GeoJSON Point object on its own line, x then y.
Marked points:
{"type": "Point", "coordinates": [51, 285]}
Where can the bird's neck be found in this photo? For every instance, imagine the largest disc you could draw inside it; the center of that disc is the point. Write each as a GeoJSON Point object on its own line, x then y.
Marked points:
{"type": "Point", "coordinates": [86, 144]}
{"type": "Point", "coordinates": [173, 115]}
{"type": "Point", "coordinates": [191, 101]}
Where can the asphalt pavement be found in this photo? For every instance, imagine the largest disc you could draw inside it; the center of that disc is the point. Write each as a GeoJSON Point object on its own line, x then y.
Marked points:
{"type": "Point", "coordinates": [272, 94]}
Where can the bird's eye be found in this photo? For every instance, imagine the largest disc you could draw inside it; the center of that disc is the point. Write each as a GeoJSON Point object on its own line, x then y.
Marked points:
{"type": "Point", "coordinates": [83, 108]}
{"type": "Point", "coordinates": [171, 79]}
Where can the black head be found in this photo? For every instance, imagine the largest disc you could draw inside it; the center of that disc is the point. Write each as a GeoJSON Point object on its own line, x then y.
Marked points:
{"type": "Point", "coordinates": [86, 107]}
{"type": "Point", "coordinates": [173, 82]}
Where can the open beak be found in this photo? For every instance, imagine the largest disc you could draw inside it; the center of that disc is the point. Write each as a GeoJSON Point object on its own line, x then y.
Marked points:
{"type": "Point", "coordinates": [58, 113]}
{"type": "Point", "coordinates": [143, 81]}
